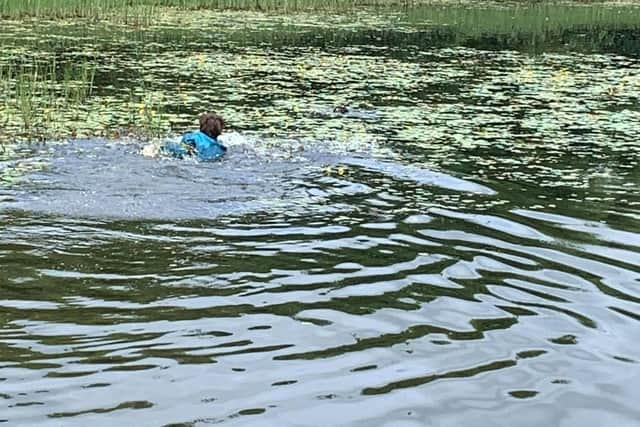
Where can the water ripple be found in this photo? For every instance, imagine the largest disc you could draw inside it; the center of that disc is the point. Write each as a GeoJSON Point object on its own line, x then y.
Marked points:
{"type": "Point", "coordinates": [478, 262]}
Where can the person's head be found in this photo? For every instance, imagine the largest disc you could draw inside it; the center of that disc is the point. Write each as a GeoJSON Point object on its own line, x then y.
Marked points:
{"type": "Point", "coordinates": [211, 124]}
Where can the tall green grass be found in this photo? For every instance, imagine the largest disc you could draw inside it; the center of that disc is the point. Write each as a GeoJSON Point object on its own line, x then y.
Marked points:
{"type": "Point", "coordinates": [537, 25]}
{"type": "Point", "coordinates": [526, 15]}
{"type": "Point", "coordinates": [34, 91]}
{"type": "Point", "coordinates": [43, 99]}
{"type": "Point", "coordinates": [133, 12]}
{"type": "Point", "coordinates": [532, 18]}
{"type": "Point", "coordinates": [99, 9]}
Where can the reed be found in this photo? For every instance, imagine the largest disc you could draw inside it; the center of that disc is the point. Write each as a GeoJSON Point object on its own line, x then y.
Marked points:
{"type": "Point", "coordinates": [532, 18]}
{"type": "Point", "coordinates": [525, 16]}
{"type": "Point", "coordinates": [109, 9]}
{"type": "Point", "coordinates": [35, 91]}
{"type": "Point", "coordinates": [44, 100]}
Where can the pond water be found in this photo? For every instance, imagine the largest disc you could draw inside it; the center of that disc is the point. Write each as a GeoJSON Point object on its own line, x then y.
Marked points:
{"type": "Point", "coordinates": [462, 246]}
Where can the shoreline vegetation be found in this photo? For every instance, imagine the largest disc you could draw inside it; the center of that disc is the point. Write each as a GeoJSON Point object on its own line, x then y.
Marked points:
{"type": "Point", "coordinates": [144, 11]}
{"type": "Point", "coordinates": [53, 89]}
{"type": "Point", "coordinates": [89, 8]}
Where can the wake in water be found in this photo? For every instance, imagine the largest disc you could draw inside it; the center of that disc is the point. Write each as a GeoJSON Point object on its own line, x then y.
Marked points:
{"type": "Point", "coordinates": [119, 179]}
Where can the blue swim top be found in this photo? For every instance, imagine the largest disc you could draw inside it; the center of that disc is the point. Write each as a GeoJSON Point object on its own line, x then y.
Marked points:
{"type": "Point", "coordinates": [196, 144]}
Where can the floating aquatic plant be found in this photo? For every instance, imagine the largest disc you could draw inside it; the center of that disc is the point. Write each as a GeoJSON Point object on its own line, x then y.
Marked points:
{"type": "Point", "coordinates": [271, 73]}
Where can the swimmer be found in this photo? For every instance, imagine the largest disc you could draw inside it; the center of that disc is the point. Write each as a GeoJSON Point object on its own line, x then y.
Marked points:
{"type": "Point", "coordinates": [202, 144]}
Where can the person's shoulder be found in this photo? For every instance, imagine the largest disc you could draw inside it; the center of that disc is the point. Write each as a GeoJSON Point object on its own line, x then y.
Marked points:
{"type": "Point", "coordinates": [190, 135]}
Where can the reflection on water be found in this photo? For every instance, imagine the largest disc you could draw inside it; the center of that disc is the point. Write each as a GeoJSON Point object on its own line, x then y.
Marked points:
{"type": "Point", "coordinates": [465, 246]}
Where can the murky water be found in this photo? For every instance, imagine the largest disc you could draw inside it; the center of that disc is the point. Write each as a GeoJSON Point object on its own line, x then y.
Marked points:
{"type": "Point", "coordinates": [462, 247]}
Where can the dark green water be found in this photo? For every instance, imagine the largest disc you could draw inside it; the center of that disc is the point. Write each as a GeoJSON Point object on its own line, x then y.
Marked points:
{"type": "Point", "coordinates": [463, 247]}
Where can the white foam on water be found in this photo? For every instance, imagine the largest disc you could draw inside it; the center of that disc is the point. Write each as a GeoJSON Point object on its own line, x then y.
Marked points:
{"type": "Point", "coordinates": [128, 179]}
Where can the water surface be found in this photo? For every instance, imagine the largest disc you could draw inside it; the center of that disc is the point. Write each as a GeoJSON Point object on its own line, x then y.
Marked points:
{"type": "Point", "coordinates": [463, 245]}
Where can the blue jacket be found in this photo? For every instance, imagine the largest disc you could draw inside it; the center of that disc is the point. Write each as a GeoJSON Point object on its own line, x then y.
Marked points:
{"type": "Point", "coordinates": [196, 144]}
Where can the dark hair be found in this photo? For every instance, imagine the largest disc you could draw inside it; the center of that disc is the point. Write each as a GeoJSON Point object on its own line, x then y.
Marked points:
{"type": "Point", "coordinates": [211, 124]}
